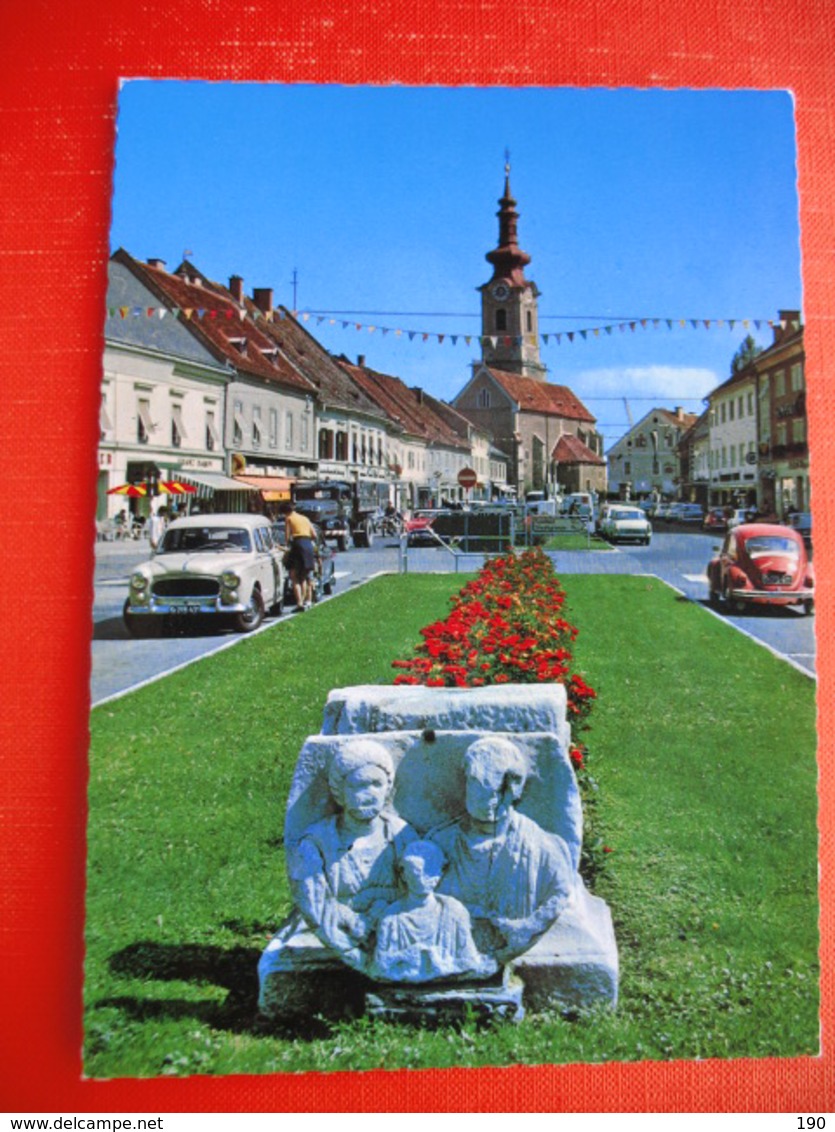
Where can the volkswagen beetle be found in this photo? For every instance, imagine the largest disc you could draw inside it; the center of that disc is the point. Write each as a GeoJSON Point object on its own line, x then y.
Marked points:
{"type": "Point", "coordinates": [761, 564]}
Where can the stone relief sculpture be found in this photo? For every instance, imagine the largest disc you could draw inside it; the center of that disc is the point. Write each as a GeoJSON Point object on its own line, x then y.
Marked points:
{"type": "Point", "coordinates": [436, 869]}
{"type": "Point", "coordinates": [425, 936]}
{"type": "Point", "coordinates": [513, 877]}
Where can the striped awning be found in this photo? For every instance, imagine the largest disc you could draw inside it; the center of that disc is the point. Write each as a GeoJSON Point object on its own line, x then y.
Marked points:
{"type": "Point", "coordinates": [207, 483]}
{"type": "Point", "coordinates": [274, 489]}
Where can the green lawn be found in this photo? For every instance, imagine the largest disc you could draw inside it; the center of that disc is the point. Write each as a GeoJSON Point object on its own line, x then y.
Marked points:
{"type": "Point", "coordinates": [704, 748]}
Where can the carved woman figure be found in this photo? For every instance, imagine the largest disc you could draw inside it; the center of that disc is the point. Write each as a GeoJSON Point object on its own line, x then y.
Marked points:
{"type": "Point", "coordinates": [344, 870]}
{"type": "Point", "coordinates": [514, 877]}
{"type": "Point", "coordinates": [425, 936]}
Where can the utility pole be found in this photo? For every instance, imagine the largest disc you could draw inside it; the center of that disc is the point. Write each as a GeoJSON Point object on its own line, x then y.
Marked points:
{"type": "Point", "coordinates": [295, 282]}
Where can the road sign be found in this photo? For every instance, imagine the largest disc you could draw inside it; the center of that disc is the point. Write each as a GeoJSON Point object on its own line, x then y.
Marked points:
{"type": "Point", "coordinates": [467, 478]}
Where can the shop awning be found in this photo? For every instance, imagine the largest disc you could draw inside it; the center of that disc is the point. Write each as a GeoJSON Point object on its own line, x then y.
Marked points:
{"type": "Point", "coordinates": [274, 489]}
{"type": "Point", "coordinates": [210, 482]}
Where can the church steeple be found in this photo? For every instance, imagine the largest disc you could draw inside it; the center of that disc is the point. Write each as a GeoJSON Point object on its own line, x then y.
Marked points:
{"type": "Point", "coordinates": [509, 312]}
{"type": "Point", "coordinates": [508, 259]}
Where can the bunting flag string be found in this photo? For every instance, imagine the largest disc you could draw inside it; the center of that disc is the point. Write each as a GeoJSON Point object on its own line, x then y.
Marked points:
{"type": "Point", "coordinates": [187, 314]}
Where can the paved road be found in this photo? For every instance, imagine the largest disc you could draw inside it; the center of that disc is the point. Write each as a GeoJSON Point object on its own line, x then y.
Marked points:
{"type": "Point", "coordinates": [679, 558]}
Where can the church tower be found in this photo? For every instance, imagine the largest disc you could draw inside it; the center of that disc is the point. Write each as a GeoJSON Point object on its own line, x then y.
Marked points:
{"type": "Point", "coordinates": [509, 311]}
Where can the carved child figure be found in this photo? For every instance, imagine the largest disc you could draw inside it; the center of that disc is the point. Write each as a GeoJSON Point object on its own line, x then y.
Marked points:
{"type": "Point", "coordinates": [425, 936]}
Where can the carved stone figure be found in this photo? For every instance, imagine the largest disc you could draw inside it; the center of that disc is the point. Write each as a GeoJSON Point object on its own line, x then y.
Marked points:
{"type": "Point", "coordinates": [344, 870]}
{"type": "Point", "coordinates": [513, 876]}
{"type": "Point", "coordinates": [425, 936]}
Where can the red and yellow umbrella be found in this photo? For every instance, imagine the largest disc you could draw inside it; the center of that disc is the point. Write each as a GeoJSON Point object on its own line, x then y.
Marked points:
{"type": "Point", "coordinates": [134, 490]}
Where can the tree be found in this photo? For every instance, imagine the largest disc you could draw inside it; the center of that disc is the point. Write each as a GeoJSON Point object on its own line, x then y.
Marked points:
{"type": "Point", "coordinates": [745, 355]}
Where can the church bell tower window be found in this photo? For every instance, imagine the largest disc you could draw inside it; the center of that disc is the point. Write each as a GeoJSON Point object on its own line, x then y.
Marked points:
{"type": "Point", "coordinates": [501, 319]}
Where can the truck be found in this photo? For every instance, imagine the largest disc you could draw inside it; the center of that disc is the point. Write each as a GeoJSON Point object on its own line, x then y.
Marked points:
{"type": "Point", "coordinates": [346, 513]}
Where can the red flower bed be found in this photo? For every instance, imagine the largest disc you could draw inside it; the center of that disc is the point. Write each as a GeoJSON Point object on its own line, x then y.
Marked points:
{"type": "Point", "coordinates": [507, 626]}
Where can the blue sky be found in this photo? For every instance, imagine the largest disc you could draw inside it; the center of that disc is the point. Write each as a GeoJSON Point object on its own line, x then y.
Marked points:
{"type": "Point", "coordinates": [633, 205]}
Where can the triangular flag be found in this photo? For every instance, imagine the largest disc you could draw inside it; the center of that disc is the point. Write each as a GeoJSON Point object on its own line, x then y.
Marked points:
{"type": "Point", "coordinates": [358, 325]}
{"type": "Point", "coordinates": [412, 333]}
{"type": "Point", "coordinates": [270, 315]}
{"type": "Point", "coordinates": [493, 342]}
{"type": "Point", "coordinates": [124, 311]}
{"type": "Point", "coordinates": [669, 324]}
{"type": "Point", "coordinates": [149, 312]}
{"type": "Point", "coordinates": [643, 324]}
{"type": "Point", "coordinates": [344, 325]}
{"type": "Point", "coordinates": [188, 312]}
{"type": "Point", "coordinates": [241, 315]}
{"type": "Point", "coordinates": [440, 338]}
{"type": "Point", "coordinates": [545, 339]}
{"type": "Point", "coordinates": [136, 312]}
{"type": "Point", "coordinates": [398, 333]}
{"type": "Point", "coordinates": [571, 336]}
{"type": "Point", "coordinates": [682, 322]}
{"type": "Point", "coordinates": [584, 334]}
{"type": "Point", "coordinates": [162, 312]}
{"type": "Point", "coordinates": [213, 314]}
{"type": "Point", "coordinates": [622, 327]}
{"type": "Point", "coordinates": [320, 319]}
{"type": "Point", "coordinates": [707, 323]}
{"type": "Point", "coordinates": [371, 329]}
{"type": "Point", "coordinates": [745, 322]}
{"type": "Point", "coordinates": [720, 322]}
{"type": "Point", "coordinates": [559, 336]}
{"type": "Point", "coordinates": [632, 326]}
{"type": "Point", "coordinates": [306, 316]}
{"type": "Point", "coordinates": [608, 329]}
{"type": "Point", "coordinates": [655, 323]}
{"type": "Point", "coordinates": [596, 331]}
{"type": "Point", "coordinates": [454, 339]}
{"type": "Point", "coordinates": [694, 322]}
{"type": "Point", "coordinates": [229, 312]}
{"type": "Point", "coordinates": [201, 312]}
{"type": "Point", "coordinates": [385, 331]}
{"type": "Point", "coordinates": [758, 323]}
{"type": "Point", "coordinates": [731, 323]}
{"type": "Point", "coordinates": [425, 336]}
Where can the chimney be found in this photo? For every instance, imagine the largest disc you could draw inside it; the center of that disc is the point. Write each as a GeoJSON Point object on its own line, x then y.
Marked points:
{"type": "Point", "coordinates": [263, 298]}
{"type": "Point", "coordinates": [788, 324]}
{"type": "Point", "coordinates": [419, 394]}
{"type": "Point", "coordinates": [361, 361]}
{"type": "Point", "coordinates": [154, 262]}
{"type": "Point", "coordinates": [679, 412]}
{"type": "Point", "coordinates": [236, 286]}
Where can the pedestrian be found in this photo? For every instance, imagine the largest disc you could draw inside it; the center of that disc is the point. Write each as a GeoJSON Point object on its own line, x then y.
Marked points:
{"type": "Point", "coordinates": [300, 536]}
{"type": "Point", "coordinates": [156, 526]}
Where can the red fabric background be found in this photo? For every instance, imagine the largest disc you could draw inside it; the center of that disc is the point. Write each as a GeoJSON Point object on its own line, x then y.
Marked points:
{"type": "Point", "coordinates": [59, 76]}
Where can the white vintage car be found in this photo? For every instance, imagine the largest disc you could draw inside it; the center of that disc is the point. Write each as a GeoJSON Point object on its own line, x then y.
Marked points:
{"type": "Point", "coordinates": [626, 524]}
{"type": "Point", "coordinates": [227, 565]}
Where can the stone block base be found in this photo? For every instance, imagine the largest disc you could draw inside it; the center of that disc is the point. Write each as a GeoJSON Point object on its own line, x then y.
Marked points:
{"type": "Point", "coordinates": [449, 1003]}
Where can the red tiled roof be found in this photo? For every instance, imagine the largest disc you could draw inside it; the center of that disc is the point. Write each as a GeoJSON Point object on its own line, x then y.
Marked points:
{"type": "Point", "coordinates": [334, 387]}
{"type": "Point", "coordinates": [405, 406]}
{"type": "Point", "coordinates": [541, 396]}
{"type": "Point", "coordinates": [229, 337]}
{"type": "Point", "coordinates": [571, 450]}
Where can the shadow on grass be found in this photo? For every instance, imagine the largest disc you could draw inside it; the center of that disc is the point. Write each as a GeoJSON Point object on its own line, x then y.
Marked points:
{"type": "Point", "coordinates": [234, 969]}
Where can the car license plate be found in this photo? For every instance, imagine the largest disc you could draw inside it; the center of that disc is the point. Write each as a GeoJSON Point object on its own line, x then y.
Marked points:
{"type": "Point", "coordinates": [192, 607]}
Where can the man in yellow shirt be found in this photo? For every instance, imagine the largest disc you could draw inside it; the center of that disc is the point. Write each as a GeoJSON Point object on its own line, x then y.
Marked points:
{"type": "Point", "coordinates": [300, 537]}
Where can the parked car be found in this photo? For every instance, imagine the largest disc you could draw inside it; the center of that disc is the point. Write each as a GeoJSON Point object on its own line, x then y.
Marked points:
{"type": "Point", "coordinates": [715, 519]}
{"type": "Point", "coordinates": [418, 529]}
{"type": "Point", "coordinates": [802, 523]}
{"type": "Point", "coordinates": [626, 524]}
{"type": "Point", "coordinates": [208, 565]}
{"type": "Point", "coordinates": [662, 512]}
{"type": "Point", "coordinates": [324, 579]}
{"type": "Point", "coordinates": [690, 513]}
{"type": "Point", "coordinates": [761, 564]}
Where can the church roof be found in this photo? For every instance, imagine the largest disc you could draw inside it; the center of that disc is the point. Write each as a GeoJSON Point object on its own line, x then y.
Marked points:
{"type": "Point", "coordinates": [543, 397]}
{"type": "Point", "coordinates": [571, 450]}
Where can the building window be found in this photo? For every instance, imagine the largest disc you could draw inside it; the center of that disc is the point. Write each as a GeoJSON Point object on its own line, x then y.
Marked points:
{"type": "Point", "coordinates": [730, 410]}
{"type": "Point", "coordinates": [178, 431]}
{"type": "Point", "coordinates": [238, 424]}
{"type": "Point", "coordinates": [750, 404]}
{"type": "Point", "coordinates": [484, 398]}
{"type": "Point", "coordinates": [722, 412]}
{"type": "Point", "coordinates": [212, 435]}
{"type": "Point", "coordinates": [325, 443]}
{"type": "Point", "coordinates": [779, 383]}
{"type": "Point", "coordinates": [741, 454]}
{"type": "Point", "coordinates": [529, 321]}
{"type": "Point", "coordinates": [305, 437]}
{"type": "Point", "coordinates": [105, 423]}
{"type": "Point", "coordinates": [273, 428]}
{"type": "Point", "coordinates": [780, 434]}
{"type": "Point", "coordinates": [256, 426]}
{"type": "Point", "coordinates": [342, 446]}
{"type": "Point", "coordinates": [288, 428]}
{"type": "Point", "coordinates": [796, 377]}
{"type": "Point", "coordinates": [627, 467]}
{"type": "Point", "coordinates": [501, 319]}
{"type": "Point", "coordinates": [799, 430]}
{"type": "Point", "coordinates": [144, 424]}
{"type": "Point", "coordinates": [740, 406]}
